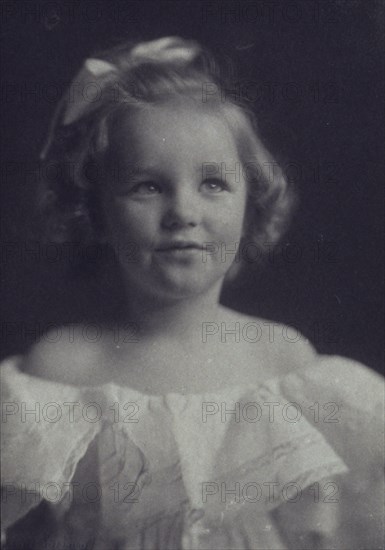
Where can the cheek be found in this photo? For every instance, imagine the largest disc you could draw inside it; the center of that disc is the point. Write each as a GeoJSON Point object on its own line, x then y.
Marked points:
{"type": "Point", "coordinates": [233, 219]}
{"type": "Point", "coordinates": [132, 223]}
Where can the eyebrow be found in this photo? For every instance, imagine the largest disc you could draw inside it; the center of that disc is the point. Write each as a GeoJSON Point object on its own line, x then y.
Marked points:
{"type": "Point", "coordinates": [206, 170]}
{"type": "Point", "coordinates": [135, 170]}
{"type": "Point", "coordinates": [152, 170]}
{"type": "Point", "coordinates": [122, 172]}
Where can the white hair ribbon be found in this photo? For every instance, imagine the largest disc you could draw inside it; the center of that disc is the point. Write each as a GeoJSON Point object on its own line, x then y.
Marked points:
{"type": "Point", "coordinates": [87, 88]}
{"type": "Point", "coordinates": [165, 50]}
{"type": "Point", "coordinates": [85, 92]}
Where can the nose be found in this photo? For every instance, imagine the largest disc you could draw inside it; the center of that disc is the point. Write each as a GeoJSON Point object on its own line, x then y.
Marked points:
{"type": "Point", "coordinates": [182, 209]}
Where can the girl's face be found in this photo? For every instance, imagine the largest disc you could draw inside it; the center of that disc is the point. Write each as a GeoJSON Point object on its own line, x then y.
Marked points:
{"type": "Point", "coordinates": [174, 200]}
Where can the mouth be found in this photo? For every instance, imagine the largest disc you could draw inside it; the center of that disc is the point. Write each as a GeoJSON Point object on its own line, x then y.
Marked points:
{"type": "Point", "coordinates": [180, 246]}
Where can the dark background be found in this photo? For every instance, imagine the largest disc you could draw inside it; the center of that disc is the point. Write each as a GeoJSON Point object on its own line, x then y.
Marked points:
{"type": "Point", "coordinates": [323, 118]}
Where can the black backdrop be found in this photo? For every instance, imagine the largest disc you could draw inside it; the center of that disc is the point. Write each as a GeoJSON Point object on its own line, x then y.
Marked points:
{"type": "Point", "coordinates": [314, 71]}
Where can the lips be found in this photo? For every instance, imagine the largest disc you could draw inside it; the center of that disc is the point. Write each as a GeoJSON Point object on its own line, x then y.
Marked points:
{"type": "Point", "coordinates": [180, 245]}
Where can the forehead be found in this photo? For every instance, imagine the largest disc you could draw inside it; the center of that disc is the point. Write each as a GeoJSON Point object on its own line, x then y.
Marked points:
{"type": "Point", "coordinates": [174, 128]}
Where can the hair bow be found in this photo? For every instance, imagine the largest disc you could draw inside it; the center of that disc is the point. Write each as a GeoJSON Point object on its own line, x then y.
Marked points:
{"type": "Point", "coordinates": [165, 50]}
{"type": "Point", "coordinates": [85, 91]}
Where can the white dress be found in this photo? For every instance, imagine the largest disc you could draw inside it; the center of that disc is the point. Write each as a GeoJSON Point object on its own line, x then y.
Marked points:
{"type": "Point", "coordinates": [296, 462]}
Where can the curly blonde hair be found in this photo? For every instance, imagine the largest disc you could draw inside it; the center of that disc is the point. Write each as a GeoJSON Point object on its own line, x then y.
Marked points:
{"type": "Point", "coordinates": [127, 77]}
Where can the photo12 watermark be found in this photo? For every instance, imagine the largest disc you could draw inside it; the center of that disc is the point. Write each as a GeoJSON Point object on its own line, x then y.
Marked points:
{"type": "Point", "coordinates": [269, 332]}
{"type": "Point", "coordinates": [70, 412]}
{"type": "Point", "coordinates": [52, 333]}
{"type": "Point", "coordinates": [269, 492]}
{"type": "Point", "coordinates": [88, 492]}
{"type": "Point", "coordinates": [270, 411]}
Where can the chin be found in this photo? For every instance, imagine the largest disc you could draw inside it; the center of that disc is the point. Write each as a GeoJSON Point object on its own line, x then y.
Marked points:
{"type": "Point", "coordinates": [176, 283]}
{"type": "Point", "coordinates": [178, 288]}
{"type": "Point", "coordinates": [180, 291]}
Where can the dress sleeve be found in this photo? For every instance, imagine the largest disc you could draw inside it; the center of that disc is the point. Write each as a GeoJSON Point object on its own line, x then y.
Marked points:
{"type": "Point", "coordinates": [44, 436]}
{"type": "Point", "coordinates": [344, 400]}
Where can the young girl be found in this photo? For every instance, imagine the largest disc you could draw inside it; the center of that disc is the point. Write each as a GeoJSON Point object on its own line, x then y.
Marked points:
{"type": "Point", "coordinates": [183, 424]}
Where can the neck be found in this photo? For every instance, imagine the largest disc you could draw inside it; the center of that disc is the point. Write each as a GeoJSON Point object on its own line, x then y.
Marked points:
{"type": "Point", "coordinates": [172, 319]}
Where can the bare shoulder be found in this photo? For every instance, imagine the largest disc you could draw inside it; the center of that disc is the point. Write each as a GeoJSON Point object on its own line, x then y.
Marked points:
{"type": "Point", "coordinates": [68, 355]}
{"type": "Point", "coordinates": [281, 348]}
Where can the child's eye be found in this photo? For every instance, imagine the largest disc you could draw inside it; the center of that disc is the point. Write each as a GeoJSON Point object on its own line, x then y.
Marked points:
{"type": "Point", "coordinates": [214, 185]}
{"type": "Point", "coordinates": [146, 188]}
